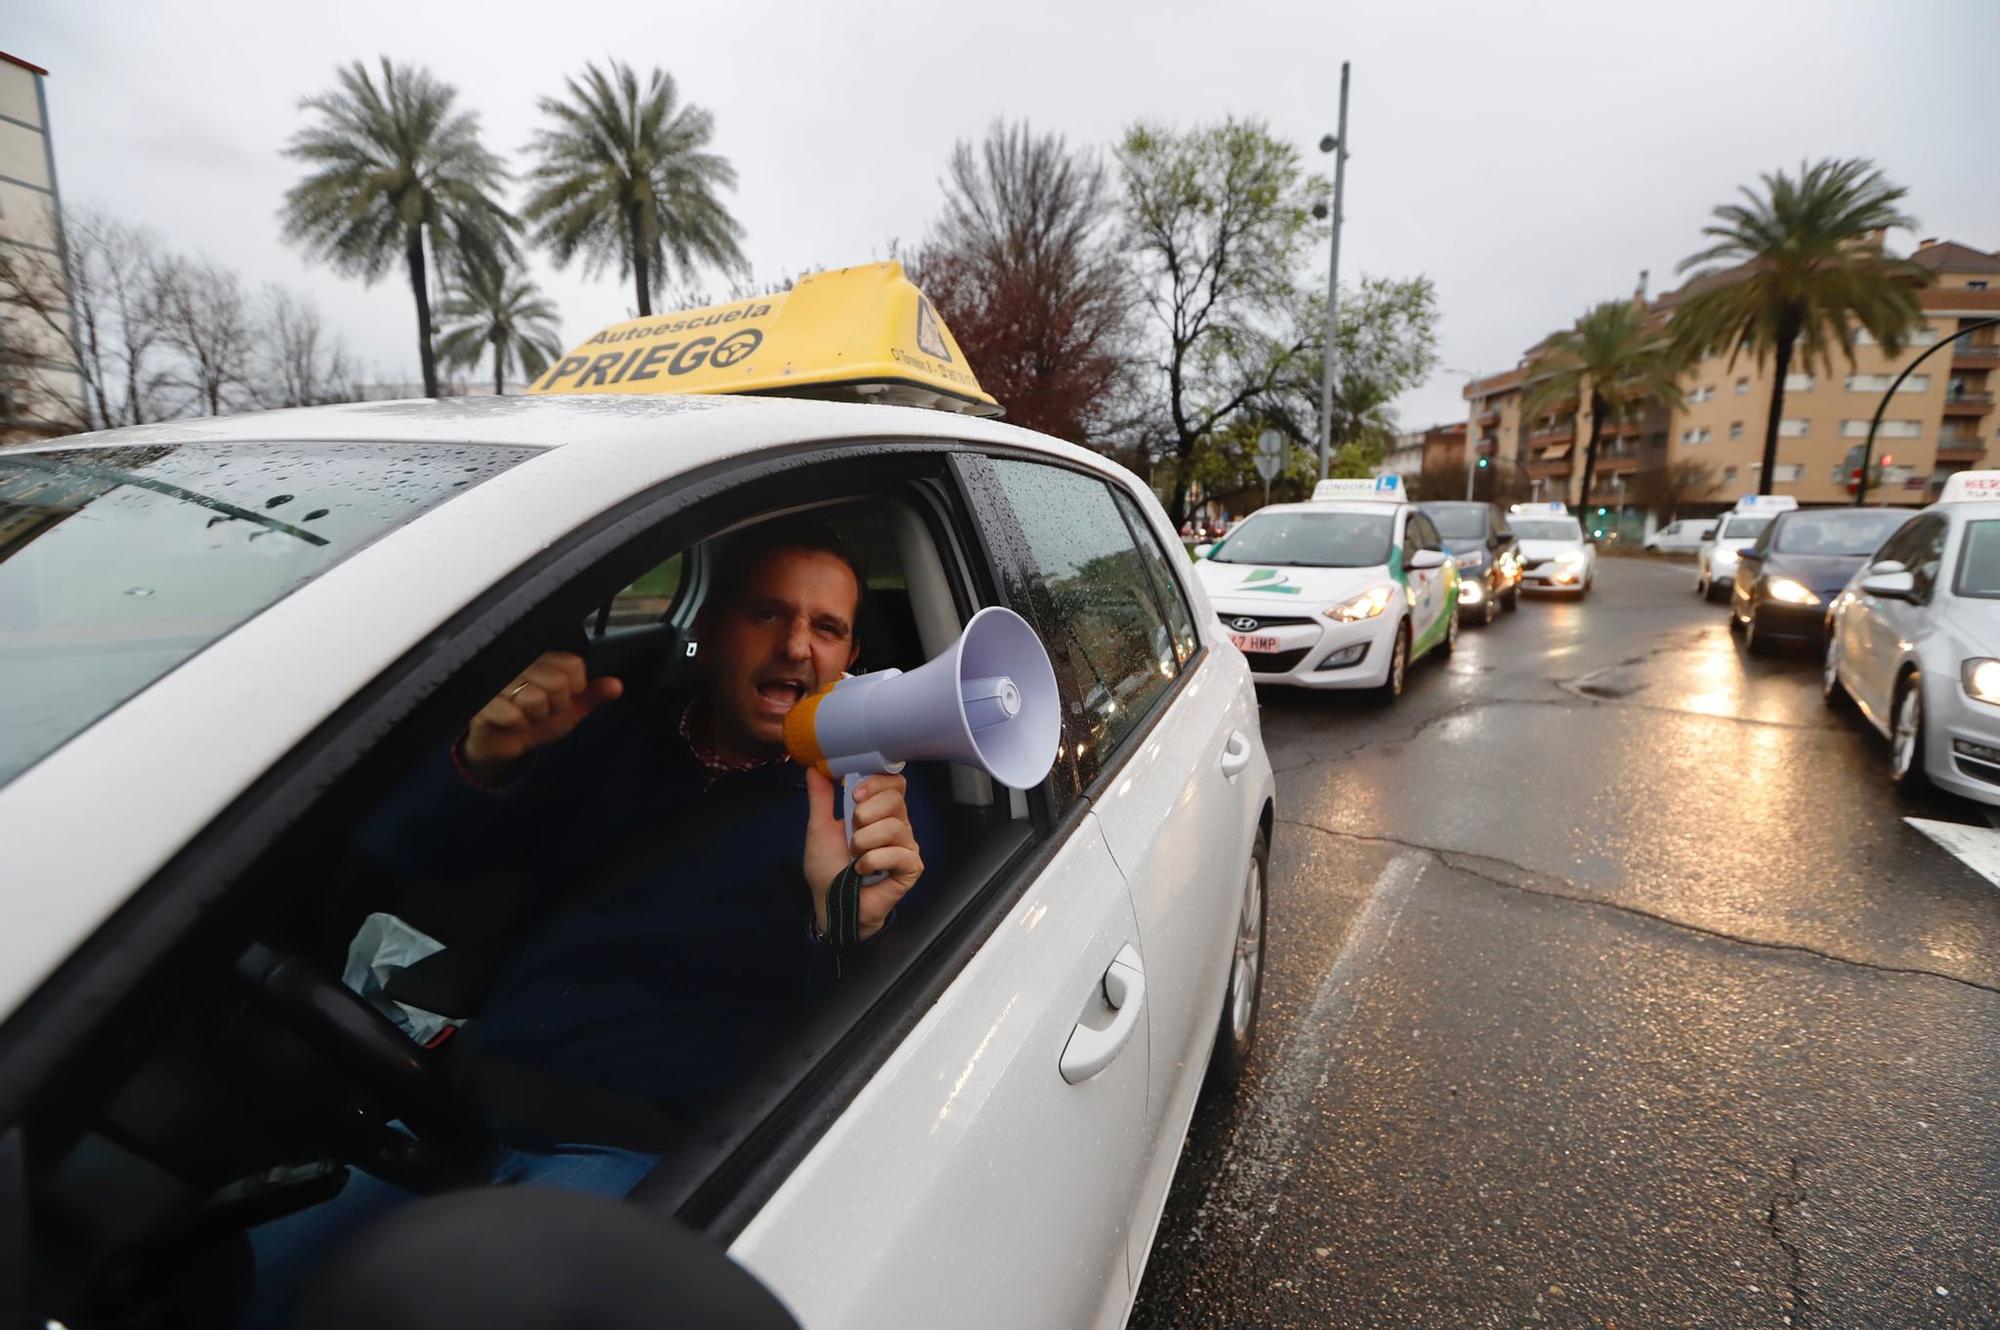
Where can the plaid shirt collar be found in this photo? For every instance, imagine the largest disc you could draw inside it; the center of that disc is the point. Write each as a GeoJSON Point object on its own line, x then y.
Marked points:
{"type": "Point", "coordinates": [713, 762]}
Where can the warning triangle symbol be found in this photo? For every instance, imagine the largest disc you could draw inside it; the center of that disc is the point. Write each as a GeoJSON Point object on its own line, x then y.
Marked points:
{"type": "Point", "coordinates": [930, 333]}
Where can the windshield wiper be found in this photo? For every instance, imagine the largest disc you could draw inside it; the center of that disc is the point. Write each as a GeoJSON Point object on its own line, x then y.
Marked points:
{"type": "Point", "coordinates": [172, 491]}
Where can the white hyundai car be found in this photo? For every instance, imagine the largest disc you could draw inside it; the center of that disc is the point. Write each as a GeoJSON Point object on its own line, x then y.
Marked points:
{"type": "Point", "coordinates": [1914, 642]}
{"type": "Point", "coordinates": [1554, 554]}
{"type": "Point", "coordinates": [224, 642]}
{"type": "Point", "coordinates": [1346, 591]}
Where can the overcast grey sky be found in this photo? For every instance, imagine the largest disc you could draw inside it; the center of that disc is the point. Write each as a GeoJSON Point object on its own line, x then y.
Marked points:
{"type": "Point", "coordinates": [1530, 158]}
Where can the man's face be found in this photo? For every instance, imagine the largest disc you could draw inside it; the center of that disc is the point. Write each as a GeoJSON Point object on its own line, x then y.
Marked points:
{"type": "Point", "coordinates": [789, 633]}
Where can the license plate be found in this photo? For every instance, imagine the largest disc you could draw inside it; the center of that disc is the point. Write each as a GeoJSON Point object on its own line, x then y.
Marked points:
{"type": "Point", "coordinates": [1259, 642]}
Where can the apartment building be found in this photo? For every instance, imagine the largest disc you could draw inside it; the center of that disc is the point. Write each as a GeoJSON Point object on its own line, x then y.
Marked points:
{"type": "Point", "coordinates": [41, 383]}
{"type": "Point", "coordinates": [1941, 420]}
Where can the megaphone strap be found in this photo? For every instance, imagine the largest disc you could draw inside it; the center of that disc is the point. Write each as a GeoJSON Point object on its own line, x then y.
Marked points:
{"type": "Point", "coordinates": [843, 915]}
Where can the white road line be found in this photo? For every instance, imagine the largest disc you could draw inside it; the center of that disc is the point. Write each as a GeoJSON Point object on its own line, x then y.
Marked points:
{"type": "Point", "coordinates": [1975, 847]}
{"type": "Point", "coordinates": [1251, 1179]}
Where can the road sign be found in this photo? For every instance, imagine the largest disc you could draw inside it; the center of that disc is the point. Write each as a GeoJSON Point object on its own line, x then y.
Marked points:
{"type": "Point", "coordinates": [1270, 458]}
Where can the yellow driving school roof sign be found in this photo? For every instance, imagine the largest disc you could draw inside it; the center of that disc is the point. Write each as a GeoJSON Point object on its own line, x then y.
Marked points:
{"type": "Point", "coordinates": [863, 333]}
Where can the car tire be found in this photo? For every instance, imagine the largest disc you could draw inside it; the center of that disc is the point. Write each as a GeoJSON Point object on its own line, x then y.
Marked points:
{"type": "Point", "coordinates": [1399, 666]}
{"type": "Point", "coordinates": [1906, 748]}
{"type": "Point", "coordinates": [1512, 600]}
{"type": "Point", "coordinates": [1831, 690]}
{"type": "Point", "coordinates": [1450, 643]}
{"type": "Point", "coordinates": [1236, 1030]}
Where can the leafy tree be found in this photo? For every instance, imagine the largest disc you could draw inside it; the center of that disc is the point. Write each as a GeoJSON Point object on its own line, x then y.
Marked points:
{"type": "Point", "coordinates": [1793, 271]}
{"type": "Point", "coordinates": [624, 176]}
{"type": "Point", "coordinates": [494, 309]}
{"type": "Point", "coordinates": [1610, 358]}
{"type": "Point", "coordinates": [1023, 271]}
{"type": "Point", "coordinates": [1217, 226]}
{"type": "Point", "coordinates": [393, 168]}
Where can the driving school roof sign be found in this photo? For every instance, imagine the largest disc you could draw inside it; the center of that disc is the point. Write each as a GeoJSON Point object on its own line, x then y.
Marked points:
{"type": "Point", "coordinates": [856, 333]}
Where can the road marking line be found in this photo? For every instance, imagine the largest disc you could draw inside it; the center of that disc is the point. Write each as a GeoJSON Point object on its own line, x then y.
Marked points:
{"type": "Point", "coordinates": [1251, 1186]}
{"type": "Point", "coordinates": [1975, 847]}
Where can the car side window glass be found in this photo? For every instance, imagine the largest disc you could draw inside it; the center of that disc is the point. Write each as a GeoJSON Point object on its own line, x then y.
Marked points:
{"type": "Point", "coordinates": [1410, 542]}
{"type": "Point", "coordinates": [1928, 555]}
{"type": "Point", "coordinates": [1427, 534]}
{"type": "Point", "coordinates": [1115, 646]}
{"type": "Point", "coordinates": [1173, 600]}
{"type": "Point", "coordinates": [644, 602]}
{"type": "Point", "coordinates": [1900, 545]}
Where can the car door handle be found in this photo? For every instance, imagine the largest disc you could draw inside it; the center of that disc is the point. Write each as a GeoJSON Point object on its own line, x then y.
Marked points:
{"type": "Point", "coordinates": [1235, 754]}
{"type": "Point", "coordinates": [1091, 1051]}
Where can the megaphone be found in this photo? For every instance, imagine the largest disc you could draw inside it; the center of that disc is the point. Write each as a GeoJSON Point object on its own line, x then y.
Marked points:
{"type": "Point", "coordinates": [989, 701]}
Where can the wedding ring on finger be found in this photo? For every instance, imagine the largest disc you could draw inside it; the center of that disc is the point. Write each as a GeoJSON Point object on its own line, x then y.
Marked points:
{"type": "Point", "coordinates": [515, 691]}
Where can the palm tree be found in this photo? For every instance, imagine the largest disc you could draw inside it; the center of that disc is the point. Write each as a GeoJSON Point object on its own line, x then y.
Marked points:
{"type": "Point", "coordinates": [624, 178]}
{"type": "Point", "coordinates": [1792, 272]}
{"type": "Point", "coordinates": [492, 307]}
{"type": "Point", "coordinates": [393, 167]}
{"type": "Point", "coordinates": [1610, 358]}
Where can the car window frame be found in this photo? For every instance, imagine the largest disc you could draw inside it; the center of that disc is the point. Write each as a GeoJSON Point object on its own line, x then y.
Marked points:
{"type": "Point", "coordinates": [209, 893]}
{"type": "Point", "coordinates": [1964, 556]}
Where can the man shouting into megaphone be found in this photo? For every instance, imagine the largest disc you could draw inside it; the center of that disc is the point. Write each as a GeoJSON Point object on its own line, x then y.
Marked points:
{"type": "Point", "coordinates": [675, 867]}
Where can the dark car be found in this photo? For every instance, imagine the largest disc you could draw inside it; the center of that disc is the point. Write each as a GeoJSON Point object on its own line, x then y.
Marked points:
{"type": "Point", "coordinates": [1786, 580]}
{"type": "Point", "coordinates": [1487, 555]}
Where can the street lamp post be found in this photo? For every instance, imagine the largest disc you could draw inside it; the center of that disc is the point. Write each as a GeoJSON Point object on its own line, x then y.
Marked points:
{"type": "Point", "coordinates": [1337, 145]}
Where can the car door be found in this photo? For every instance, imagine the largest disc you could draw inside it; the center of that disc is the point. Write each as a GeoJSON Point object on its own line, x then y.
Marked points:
{"type": "Point", "coordinates": [1426, 585]}
{"type": "Point", "coordinates": [1163, 757]}
{"type": "Point", "coordinates": [1887, 624]}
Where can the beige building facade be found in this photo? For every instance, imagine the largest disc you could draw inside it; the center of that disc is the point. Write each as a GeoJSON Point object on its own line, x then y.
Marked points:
{"type": "Point", "coordinates": [1941, 419]}
{"type": "Point", "coordinates": [41, 384]}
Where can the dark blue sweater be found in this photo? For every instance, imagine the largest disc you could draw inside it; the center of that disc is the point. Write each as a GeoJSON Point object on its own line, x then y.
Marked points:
{"type": "Point", "coordinates": [666, 987]}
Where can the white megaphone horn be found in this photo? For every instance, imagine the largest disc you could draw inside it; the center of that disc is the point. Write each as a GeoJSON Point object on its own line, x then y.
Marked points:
{"type": "Point", "coordinates": [989, 701]}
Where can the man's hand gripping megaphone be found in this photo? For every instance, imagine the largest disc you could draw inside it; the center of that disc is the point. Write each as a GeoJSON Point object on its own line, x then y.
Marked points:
{"type": "Point", "coordinates": [989, 701]}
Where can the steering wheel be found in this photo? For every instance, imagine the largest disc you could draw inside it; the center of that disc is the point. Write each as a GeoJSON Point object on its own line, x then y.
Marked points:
{"type": "Point", "coordinates": [446, 1143]}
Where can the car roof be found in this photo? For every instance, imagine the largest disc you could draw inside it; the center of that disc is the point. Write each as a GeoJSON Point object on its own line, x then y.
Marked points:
{"type": "Point", "coordinates": [1377, 506]}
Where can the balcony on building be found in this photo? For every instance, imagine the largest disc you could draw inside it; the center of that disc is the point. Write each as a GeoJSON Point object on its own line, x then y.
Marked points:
{"type": "Point", "coordinates": [1967, 403]}
{"type": "Point", "coordinates": [1967, 354]}
{"type": "Point", "coordinates": [1548, 434]}
{"type": "Point", "coordinates": [1488, 419]}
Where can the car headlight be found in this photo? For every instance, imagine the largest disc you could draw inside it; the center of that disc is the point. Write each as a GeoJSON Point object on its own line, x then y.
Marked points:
{"type": "Point", "coordinates": [1722, 555]}
{"type": "Point", "coordinates": [1981, 677]}
{"type": "Point", "coordinates": [1364, 606]}
{"type": "Point", "coordinates": [1791, 591]}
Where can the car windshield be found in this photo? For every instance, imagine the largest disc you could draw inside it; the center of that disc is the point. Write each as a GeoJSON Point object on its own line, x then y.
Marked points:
{"type": "Point", "coordinates": [1744, 528]}
{"type": "Point", "coordinates": [118, 564]}
{"type": "Point", "coordinates": [1842, 534]}
{"type": "Point", "coordinates": [1979, 565]}
{"type": "Point", "coordinates": [1546, 528]}
{"type": "Point", "coordinates": [1458, 521]}
{"type": "Point", "coordinates": [1313, 540]}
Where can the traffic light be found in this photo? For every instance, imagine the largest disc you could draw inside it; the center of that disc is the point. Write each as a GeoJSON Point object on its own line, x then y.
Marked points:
{"type": "Point", "coordinates": [1485, 462]}
{"type": "Point", "coordinates": [1600, 513]}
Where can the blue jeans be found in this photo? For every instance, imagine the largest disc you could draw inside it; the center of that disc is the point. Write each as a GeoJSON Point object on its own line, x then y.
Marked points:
{"type": "Point", "coordinates": [291, 1250]}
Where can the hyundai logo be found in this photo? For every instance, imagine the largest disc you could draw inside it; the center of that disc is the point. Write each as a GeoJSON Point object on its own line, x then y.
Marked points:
{"type": "Point", "coordinates": [1246, 624]}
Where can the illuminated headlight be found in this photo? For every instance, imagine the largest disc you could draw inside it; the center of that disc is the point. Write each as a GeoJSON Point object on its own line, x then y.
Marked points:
{"type": "Point", "coordinates": [1791, 591]}
{"type": "Point", "coordinates": [1981, 678]}
{"type": "Point", "coordinates": [1470, 592]}
{"type": "Point", "coordinates": [1722, 556]}
{"type": "Point", "coordinates": [1367, 605]}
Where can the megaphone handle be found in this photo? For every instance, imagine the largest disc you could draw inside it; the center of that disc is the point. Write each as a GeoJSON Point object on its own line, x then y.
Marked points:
{"type": "Point", "coordinates": [847, 784]}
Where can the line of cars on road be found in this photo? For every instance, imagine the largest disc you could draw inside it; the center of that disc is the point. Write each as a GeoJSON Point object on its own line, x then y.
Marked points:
{"type": "Point", "coordinates": [1905, 609]}
{"type": "Point", "coordinates": [1346, 591]}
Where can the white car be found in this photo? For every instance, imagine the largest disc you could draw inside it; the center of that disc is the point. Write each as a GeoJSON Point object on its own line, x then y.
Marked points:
{"type": "Point", "coordinates": [1342, 592]}
{"type": "Point", "coordinates": [221, 643]}
{"type": "Point", "coordinates": [1735, 531]}
{"type": "Point", "coordinates": [1554, 554]}
{"type": "Point", "coordinates": [1914, 642]}
{"type": "Point", "coordinates": [1681, 535]}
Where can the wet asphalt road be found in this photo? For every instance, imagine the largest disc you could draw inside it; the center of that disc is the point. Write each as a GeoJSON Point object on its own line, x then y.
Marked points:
{"type": "Point", "coordinates": [1606, 987]}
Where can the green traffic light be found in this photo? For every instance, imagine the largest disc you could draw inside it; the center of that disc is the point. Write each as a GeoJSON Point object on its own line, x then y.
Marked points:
{"type": "Point", "coordinates": [1485, 462]}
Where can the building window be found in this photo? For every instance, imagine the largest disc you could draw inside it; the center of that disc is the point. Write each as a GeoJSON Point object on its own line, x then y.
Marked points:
{"type": "Point", "coordinates": [1695, 435]}
{"type": "Point", "coordinates": [1728, 474]}
{"type": "Point", "coordinates": [1705, 393]}
{"type": "Point", "coordinates": [1891, 429]}
{"type": "Point", "coordinates": [1792, 429]}
{"type": "Point", "coordinates": [1879, 383]}
{"type": "Point", "coordinates": [1921, 336]}
{"type": "Point", "coordinates": [1798, 383]}
{"type": "Point", "coordinates": [1735, 429]}
{"type": "Point", "coordinates": [1743, 387]}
